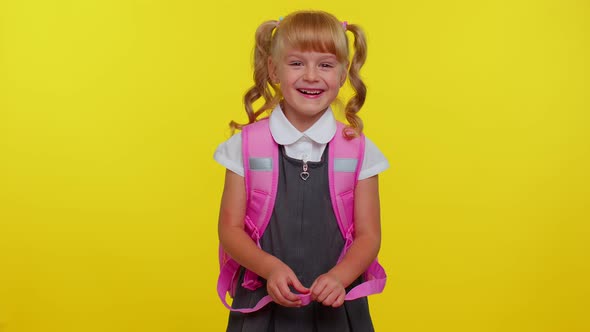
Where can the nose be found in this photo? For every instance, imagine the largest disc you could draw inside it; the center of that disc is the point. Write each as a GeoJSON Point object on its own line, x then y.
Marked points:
{"type": "Point", "coordinates": [310, 74]}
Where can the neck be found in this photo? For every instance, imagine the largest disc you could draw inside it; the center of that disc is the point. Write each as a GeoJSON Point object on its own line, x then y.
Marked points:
{"type": "Point", "coordinates": [302, 122]}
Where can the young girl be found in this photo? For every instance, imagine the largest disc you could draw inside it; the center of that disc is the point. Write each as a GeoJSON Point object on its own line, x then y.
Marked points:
{"type": "Point", "coordinates": [301, 62]}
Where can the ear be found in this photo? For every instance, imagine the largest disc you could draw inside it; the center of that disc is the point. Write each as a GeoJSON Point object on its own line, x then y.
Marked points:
{"type": "Point", "coordinates": [272, 71]}
{"type": "Point", "coordinates": [344, 74]}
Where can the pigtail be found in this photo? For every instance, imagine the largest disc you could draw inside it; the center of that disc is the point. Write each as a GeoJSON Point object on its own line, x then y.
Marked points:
{"type": "Point", "coordinates": [262, 83]}
{"type": "Point", "coordinates": [356, 102]}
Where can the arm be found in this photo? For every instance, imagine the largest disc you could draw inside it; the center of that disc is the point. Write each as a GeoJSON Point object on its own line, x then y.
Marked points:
{"type": "Point", "coordinates": [329, 288]}
{"type": "Point", "coordinates": [236, 242]}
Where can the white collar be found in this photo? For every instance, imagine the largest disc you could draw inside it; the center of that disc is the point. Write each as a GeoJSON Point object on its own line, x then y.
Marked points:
{"type": "Point", "coordinates": [284, 133]}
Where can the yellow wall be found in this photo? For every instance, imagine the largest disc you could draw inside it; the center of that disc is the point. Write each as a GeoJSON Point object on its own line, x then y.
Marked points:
{"type": "Point", "coordinates": [110, 112]}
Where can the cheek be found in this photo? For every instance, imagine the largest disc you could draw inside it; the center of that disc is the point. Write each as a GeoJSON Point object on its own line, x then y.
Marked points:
{"type": "Point", "coordinates": [339, 80]}
{"type": "Point", "coordinates": [343, 76]}
{"type": "Point", "coordinates": [287, 76]}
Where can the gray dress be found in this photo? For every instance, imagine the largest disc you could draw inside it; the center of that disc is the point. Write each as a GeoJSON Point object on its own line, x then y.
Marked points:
{"type": "Point", "coordinates": [303, 233]}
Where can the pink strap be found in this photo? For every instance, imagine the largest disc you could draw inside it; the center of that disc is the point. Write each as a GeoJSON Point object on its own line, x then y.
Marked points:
{"type": "Point", "coordinates": [224, 283]}
{"type": "Point", "coordinates": [375, 276]}
{"type": "Point", "coordinates": [259, 208]}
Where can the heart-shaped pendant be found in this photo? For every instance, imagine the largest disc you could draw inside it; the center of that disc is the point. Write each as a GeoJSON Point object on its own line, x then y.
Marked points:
{"type": "Point", "coordinates": [304, 175]}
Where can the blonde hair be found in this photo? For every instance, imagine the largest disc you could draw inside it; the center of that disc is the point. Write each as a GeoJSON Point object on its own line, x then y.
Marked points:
{"type": "Point", "coordinates": [306, 31]}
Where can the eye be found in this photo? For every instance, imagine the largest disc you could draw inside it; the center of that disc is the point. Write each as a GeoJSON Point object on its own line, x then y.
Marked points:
{"type": "Point", "coordinates": [326, 65]}
{"type": "Point", "coordinates": [295, 63]}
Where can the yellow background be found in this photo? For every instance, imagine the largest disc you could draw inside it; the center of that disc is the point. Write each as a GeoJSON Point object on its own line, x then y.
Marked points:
{"type": "Point", "coordinates": [110, 112]}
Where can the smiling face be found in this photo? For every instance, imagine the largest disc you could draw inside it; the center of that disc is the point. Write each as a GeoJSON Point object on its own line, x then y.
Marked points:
{"type": "Point", "coordinates": [309, 82]}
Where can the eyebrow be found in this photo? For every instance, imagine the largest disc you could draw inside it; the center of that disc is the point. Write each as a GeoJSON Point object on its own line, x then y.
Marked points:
{"type": "Point", "coordinates": [322, 57]}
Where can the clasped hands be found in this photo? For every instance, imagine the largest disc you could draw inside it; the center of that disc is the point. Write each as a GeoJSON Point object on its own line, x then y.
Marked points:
{"type": "Point", "coordinates": [326, 289]}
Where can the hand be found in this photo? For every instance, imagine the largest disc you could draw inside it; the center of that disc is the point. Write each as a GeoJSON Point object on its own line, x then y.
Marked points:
{"type": "Point", "coordinates": [328, 290]}
{"type": "Point", "coordinates": [277, 286]}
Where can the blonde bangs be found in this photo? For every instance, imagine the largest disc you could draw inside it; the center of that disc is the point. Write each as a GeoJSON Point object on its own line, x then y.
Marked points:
{"type": "Point", "coordinates": [311, 31]}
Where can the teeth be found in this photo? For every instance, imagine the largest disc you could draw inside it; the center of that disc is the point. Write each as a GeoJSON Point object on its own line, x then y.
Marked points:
{"type": "Point", "coordinates": [310, 92]}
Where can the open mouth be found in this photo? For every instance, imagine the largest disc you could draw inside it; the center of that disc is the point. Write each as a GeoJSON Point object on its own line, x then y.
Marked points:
{"type": "Point", "coordinates": [311, 92]}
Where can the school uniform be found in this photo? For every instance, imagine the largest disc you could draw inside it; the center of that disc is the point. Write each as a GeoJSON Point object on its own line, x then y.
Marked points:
{"type": "Point", "coordinates": [302, 231]}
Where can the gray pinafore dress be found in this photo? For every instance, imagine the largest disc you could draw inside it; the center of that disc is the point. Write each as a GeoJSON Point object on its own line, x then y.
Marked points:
{"type": "Point", "coordinates": [303, 233]}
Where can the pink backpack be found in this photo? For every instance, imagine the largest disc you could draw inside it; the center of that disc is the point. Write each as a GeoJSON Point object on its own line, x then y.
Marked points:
{"type": "Point", "coordinates": [261, 174]}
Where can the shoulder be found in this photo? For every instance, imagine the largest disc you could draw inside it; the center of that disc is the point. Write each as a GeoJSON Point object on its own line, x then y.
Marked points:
{"type": "Point", "coordinates": [229, 154]}
{"type": "Point", "coordinates": [374, 161]}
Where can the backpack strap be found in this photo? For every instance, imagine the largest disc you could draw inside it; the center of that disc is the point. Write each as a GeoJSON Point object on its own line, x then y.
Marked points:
{"type": "Point", "coordinates": [345, 162]}
{"type": "Point", "coordinates": [261, 175]}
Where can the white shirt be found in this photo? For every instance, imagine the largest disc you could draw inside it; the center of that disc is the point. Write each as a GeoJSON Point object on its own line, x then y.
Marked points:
{"type": "Point", "coordinates": [308, 145]}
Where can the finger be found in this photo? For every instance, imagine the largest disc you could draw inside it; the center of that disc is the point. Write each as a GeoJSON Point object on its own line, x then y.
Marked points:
{"type": "Point", "coordinates": [329, 300]}
{"type": "Point", "coordinates": [317, 290]}
{"type": "Point", "coordinates": [278, 298]}
{"type": "Point", "coordinates": [288, 299]}
{"type": "Point", "coordinates": [277, 295]}
{"type": "Point", "coordinates": [339, 301]}
{"type": "Point", "coordinates": [299, 286]}
{"type": "Point", "coordinates": [287, 294]}
{"type": "Point", "coordinates": [315, 282]}
{"type": "Point", "coordinates": [322, 293]}
{"type": "Point", "coordinates": [288, 303]}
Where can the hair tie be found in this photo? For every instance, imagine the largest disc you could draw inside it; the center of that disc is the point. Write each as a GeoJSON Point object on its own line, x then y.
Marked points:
{"type": "Point", "coordinates": [345, 25]}
{"type": "Point", "coordinates": [279, 21]}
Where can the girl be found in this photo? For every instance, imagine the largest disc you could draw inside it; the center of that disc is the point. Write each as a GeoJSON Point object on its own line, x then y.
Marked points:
{"type": "Point", "coordinates": [301, 62]}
